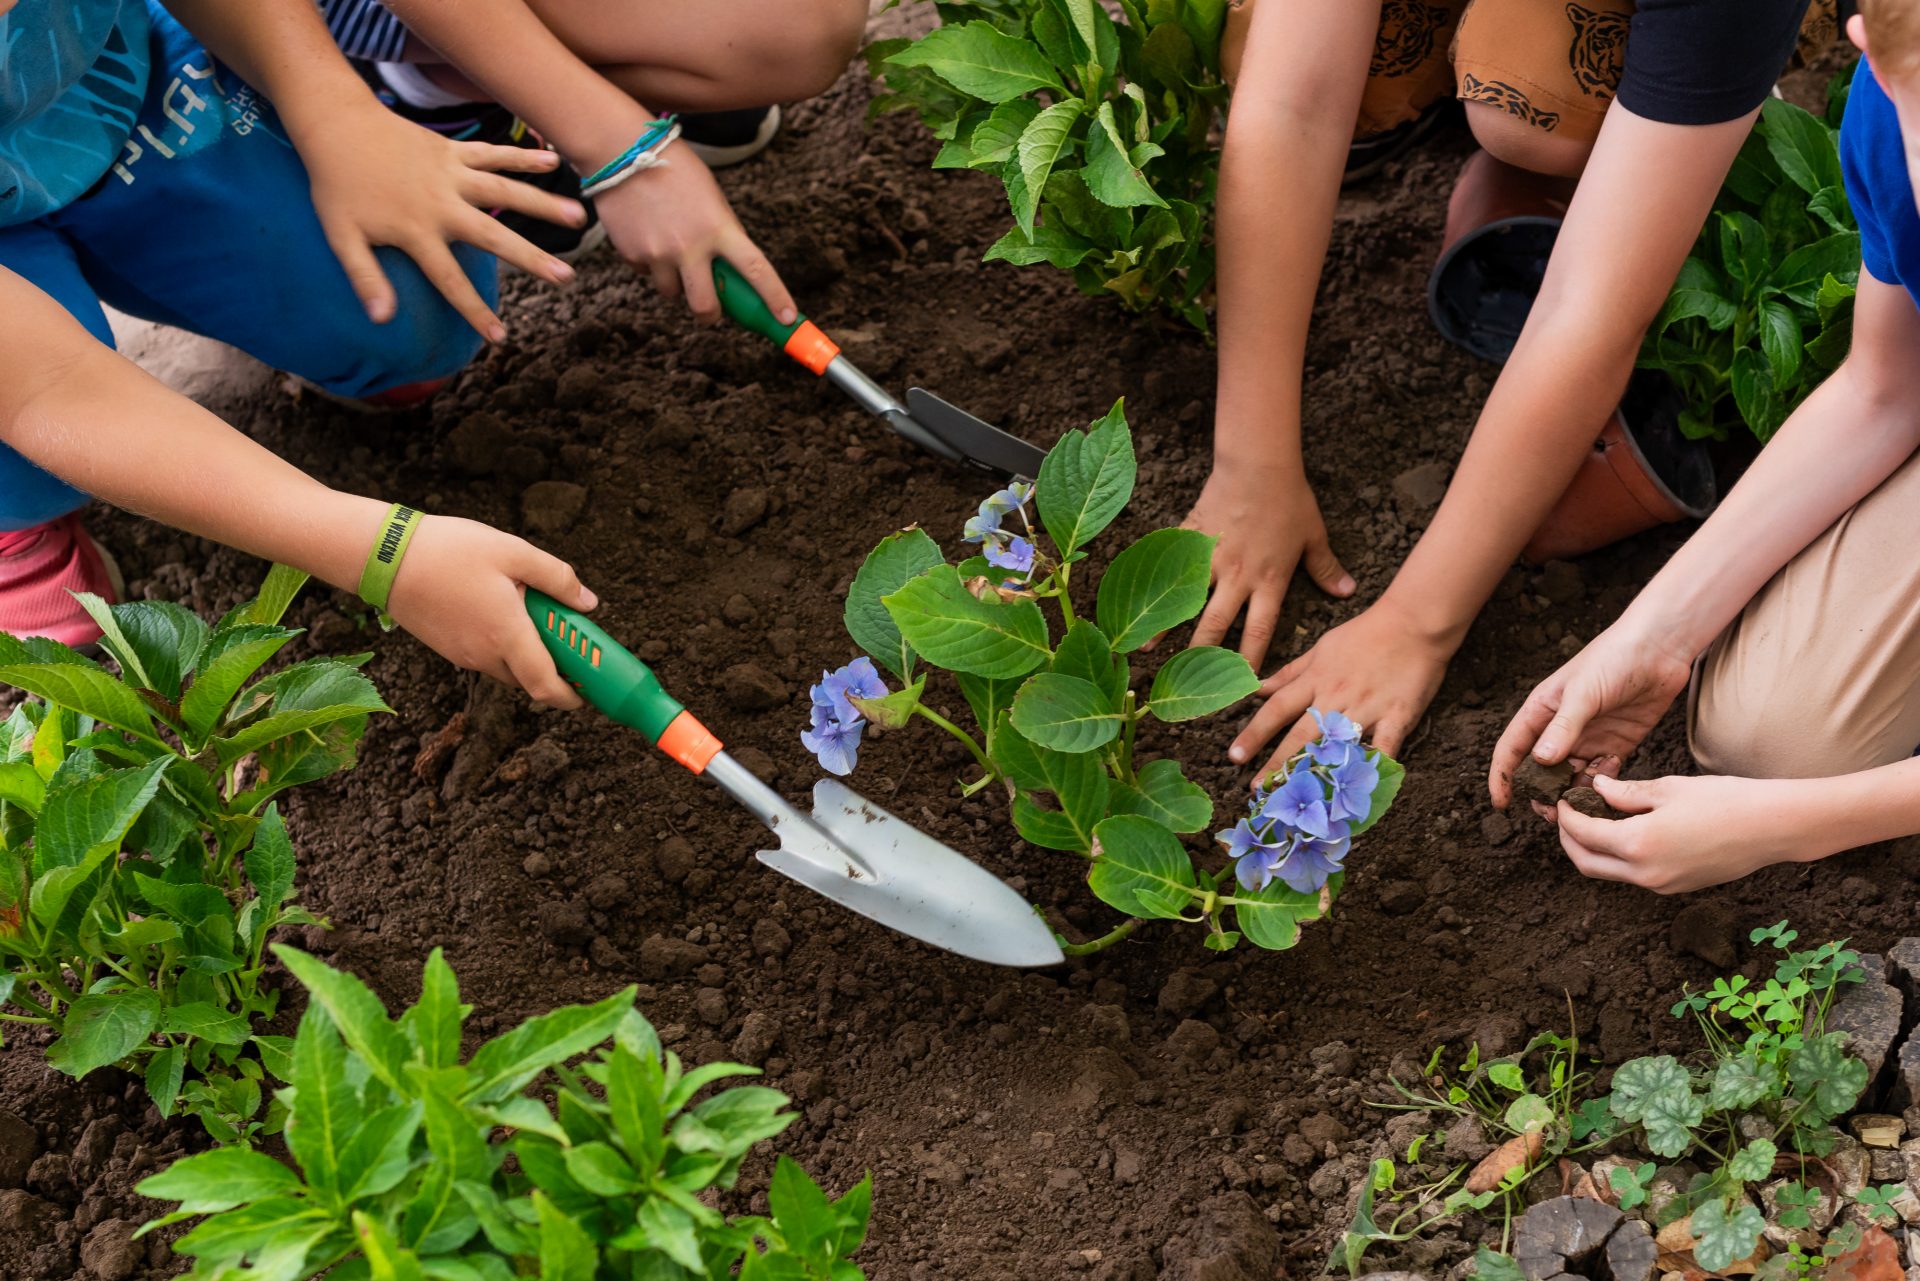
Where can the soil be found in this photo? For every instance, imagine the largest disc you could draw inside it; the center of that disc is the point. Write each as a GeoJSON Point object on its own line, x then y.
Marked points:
{"type": "Point", "coordinates": [1154, 1111]}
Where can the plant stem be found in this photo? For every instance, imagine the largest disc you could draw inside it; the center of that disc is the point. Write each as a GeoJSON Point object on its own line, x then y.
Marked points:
{"type": "Point", "coordinates": [1066, 596]}
{"type": "Point", "coordinates": [986, 762]}
{"type": "Point", "coordinates": [1107, 940]}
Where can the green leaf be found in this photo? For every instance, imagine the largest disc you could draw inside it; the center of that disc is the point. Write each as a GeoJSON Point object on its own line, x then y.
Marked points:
{"type": "Point", "coordinates": [949, 626]}
{"type": "Point", "coordinates": [305, 697]}
{"type": "Point", "coordinates": [1529, 1114]}
{"type": "Point", "coordinates": [103, 1028]}
{"type": "Point", "coordinates": [993, 141]}
{"type": "Point", "coordinates": [1133, 855]}
{"type": "Point", "coordinates": [63, 677]}
{"type": "Point", "coordinates": [93, 814]}
{"type": "Point", "coordinates": [1780, 342]}
{"type": "Point", "coordinates": [1826, 1076]}
{"type": "Point", "coordinates": [62, 897]}
{"type": "Point", "coordinates": [1039, 147]}
{"type": "Point", "coordinates": [329, 1111]}
{"type": "Point", "coordinates": [979, 59]}
{"type": "Point", "coordinates": [1837, 255]}
{"type": "Point", "coordinates": [1639, 1081]}
{"type": "Point", "coordinates": [1738, 1084]}
{"type": "Point", "coordinates": [1753, 393]}
{"type": "Point", "coordinates": [432, 1026]}
{"type": "Point", "coordinates": [230, 660]}
{"type": "Point", "coordinates": [190, 905]}
{"type": "Point", "coordinates": [1803, 146]}
{"type": "Point", "coordinates": [1076, 779]}
{"type": "Point", "coordinates": [600, 1170]}
{"type": "Point", "coordinates": [1111, 172]}
{"type": "Point", "coordinates": [897, 560]}
{"type": "Point", "coordinates": [355, 1011]}
{"type": "Point", "coordinates": [1157, 583]}
{"type": "Point", "coordinates": [634, 1087]}
{"type": "Point", "coordinates": [892, 711]}
{"type": "Point", "coordinates": [1722, 1239]}
{"type": "Point", "coordinates": [1064, 713]}
{"type": "Point", "coordinates": [1084, 652]}
{"type": "Point", "coordinates": [375, 1159]}
{"type": "Point", "coordinates": [207, 1021]}
{"type": "Point", "coordinates": [800, 1209]}
{"type": "Point", "coordinates": [1508, 1076]}
{"type": "Point", "coordinates": [988, 697]}
{"type": "Point", "coordinates": [1199, 682]}
{"type": "Point", "coordinates": [165, 1070]}
{"type": "Point", "coordinates": [304, 758]}
{"type": "Point", "coordinates": [1392, 775]}
{"type": "Point", "coordinates": [1753, 1162]}
{"type": "Point", "coordinates": [508, 1062]}
{"type": "Point", "coordinates": [1165, 795]}
{"type": "Point", "coordinates": [1490, 1265]}
{"type": "Point", "coordinates": [156, 642]}
{"type": "Point", "coordinates": [1057, 246]}
{"type": "Point", "coordinates": [21, 784]}
{"type": "Point", "coordinates": [277, 590]}
{"type": "Point", "coordinates": [269, 860]}
{"type": "Point", "coordinates": [438, 1217]}
{"type": "Point", "coordinates": [219, 1180]}
{"type": "Point", "coordinates": [1086, 480]}
{"type": "Point", "coordinates": [670, 1230]}
{"type": "Point", "coordinates": [1271, 917]}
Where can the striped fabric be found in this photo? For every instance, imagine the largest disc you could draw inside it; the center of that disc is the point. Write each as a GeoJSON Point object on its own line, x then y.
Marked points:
{"type": "Point", "coordinates": [364, 29]}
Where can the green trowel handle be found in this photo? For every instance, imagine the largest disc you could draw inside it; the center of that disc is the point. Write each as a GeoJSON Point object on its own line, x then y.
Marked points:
{"type": "Point", "coordinates": [604, 671]}
{"type": "Point", "coordinates": [803, 340]}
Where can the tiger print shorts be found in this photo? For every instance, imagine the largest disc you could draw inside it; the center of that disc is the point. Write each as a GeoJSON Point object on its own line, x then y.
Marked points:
{"type": "Point", "coordinates": [1552, 63]}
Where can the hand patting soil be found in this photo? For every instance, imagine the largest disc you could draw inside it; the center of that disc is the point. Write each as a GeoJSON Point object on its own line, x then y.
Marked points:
{"type": "Point", "coordinates": [1113, 1119]}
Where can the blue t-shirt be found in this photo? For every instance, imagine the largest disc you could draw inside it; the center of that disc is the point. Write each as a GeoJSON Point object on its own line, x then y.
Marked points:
{"type": "Point", "coordinates": [1878, 187]}
{"type": "Point", "coordinates": [72, 76]}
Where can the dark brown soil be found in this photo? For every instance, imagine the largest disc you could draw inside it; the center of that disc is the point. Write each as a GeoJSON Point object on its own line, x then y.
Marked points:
{"type": "Point", "coordinates": [1156, 1111]}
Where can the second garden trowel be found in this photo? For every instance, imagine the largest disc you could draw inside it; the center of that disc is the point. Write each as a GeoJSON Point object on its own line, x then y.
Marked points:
{"type": "Point", "coordinates": [849, 849]}
{"type": "Point", "coordinates": [924, 419]}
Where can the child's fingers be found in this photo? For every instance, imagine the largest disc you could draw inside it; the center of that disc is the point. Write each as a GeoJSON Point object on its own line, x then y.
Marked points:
{"type": "Point", "coordinates": [487, 233]}
{"type": "Point", "coordinates": [1263, 617]}
{"type": "Point", "coordinates": [1286, 707]}
{"type": "Point", "coordinates": [1304, 731]}
{"type": "Point", "coordinates": [534, 671]}
{"type": "Point", "coordinates": [498, 158]}
{"type": "Point", "coordinates": [1222, 608]}
{"type": "Point", "coordinates": [443, 272]}
{"type": "Point", "coordinates": [766, 282]}
{"type": "Point", "coordinates": [1522, 732]}
{"type": "Point", "coordinates": [548, 573]}
{"type": "Point", "coordinates": [492, 191]}
{"type": "Point", "coordinates": [370, 284]}
{"type": "Point", "coordinates": [696, 276]}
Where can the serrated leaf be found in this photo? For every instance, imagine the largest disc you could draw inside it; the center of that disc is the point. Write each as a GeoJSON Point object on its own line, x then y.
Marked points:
{"type": "Point", "coordinates": [63, 677]}
{"type": "Point", "coordinates": [1040, 146]}
{"type": "Point", "coordinates": [897, 560]}
{"type": "Point", "coordinates": [1738, 1084]}
{"type": "Point", "coordinates": [306, 696]}
{"type": "Point", "coordinates": [1722, 1239]}
{"type": "Point", "coordinates": [1077, 781]}
{"type": "Point", "coordinates": [1529, 1114]}
{"type": "Point", "coordinates": [1157, 583]}
{"type": "Point", "coordinates": [93, 814]}
{"type": "Point", "coordinates": [993, 141]}
{"type": "Point", "coordinates": [1057, 246]}
{"type": "Point", "coordinates": [1165, 795]}
{"type": "Point", "coordinates": [950, 627]}
{"type": "Point", "coordinates": [269, 860]}
{"type": "Point", "coordinates": [103, 1028]}
{"type": "Point", "coordinates": [21, 784]}
{"type": "Point", "coordinates": [207, 1021]}
{"type": "Point", "coordinates": [219, 1180]}
{"type": "Point", "coordinates": [156, 642]}
{"type": "Point", "coordinates": [1133, 853]}
{"type": "Point", "coordinates": [1086, 480]}
{"type": "Point", "coordinates": [1802, 145]}
{"type": "Point", "coordinates": [269, 606]}
{"type": "Point", "coordinates": [979, 59]}
{"type": "Point", "coordinates": [508, 1062]}
{"type": "Point", "coordinates": [231, 658]}
{"type": "Point", "coordinates": [166, 1068]}
{"type": "Point", "coordinates": [1753, 1162]}
{"type": "Point", "coordinates": [1199, 682]}
{"type": "Point", "coordinates": [1111, 174]}
{"type": "Point", "coordinates": [1085, 653]}
{"type": "Point", "coordinates": [355, 1011]}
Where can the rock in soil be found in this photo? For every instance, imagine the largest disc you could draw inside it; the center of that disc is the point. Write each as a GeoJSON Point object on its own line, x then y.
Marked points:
{"type": "Point", "coordinates": [110, 1252]}
{"type": "Point", "coordinates": [1533, 781]}
{"type": "Point", "coordinates": [1566, 1234]}
{"type": "Point", "coordinates": [1229, 1240]}
{"type": "Point", "coordinates": [1708, 931]}
{"type": "Point", "coordinates": [1905, 1090]}
{"type": "Point", "coordinates": [744, 509]}
{"type": "Point", "coordinates": [1869, 1013]}
{"type": "Point", "coordinates": [19, 1145]}
{"type": "Point", "coordinates": [1589, 802]}
{"type": "Point", "coordinates": [1903, 968]}
{"type": "Point", "coordinates": [1877, 1130]}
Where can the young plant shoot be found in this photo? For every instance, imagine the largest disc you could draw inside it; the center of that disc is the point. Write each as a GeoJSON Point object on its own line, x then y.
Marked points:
{"type": "Point", "coordinates": [396, 1173]}
{"type": "Point", "coordinates": [143, 863]}
{"type": "Point", "coordinates": [1096, 124]}
{"type": "Point", "coordinates": [1058, 717]}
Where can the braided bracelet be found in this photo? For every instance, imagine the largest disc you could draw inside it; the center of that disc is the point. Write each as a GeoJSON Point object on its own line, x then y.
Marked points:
{"type": "Point", "coordinates": [646, 153]}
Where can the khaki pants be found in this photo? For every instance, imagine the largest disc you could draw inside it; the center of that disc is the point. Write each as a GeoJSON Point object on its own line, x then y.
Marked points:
{"type": "Point", "coordinates": [1820, 675]}
{"type": "Point", "coordinates": [1554, 64]}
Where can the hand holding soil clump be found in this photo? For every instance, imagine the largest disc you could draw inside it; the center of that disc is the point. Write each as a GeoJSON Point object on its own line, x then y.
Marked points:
{"type": "Point", "coordinates": [1550, 784]}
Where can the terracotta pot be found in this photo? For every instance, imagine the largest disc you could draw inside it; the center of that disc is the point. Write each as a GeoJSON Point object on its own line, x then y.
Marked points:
{"type": "Point", "coordinates": [1501, 225]}
{"type": "Point", "coordinates": [1642, 472]}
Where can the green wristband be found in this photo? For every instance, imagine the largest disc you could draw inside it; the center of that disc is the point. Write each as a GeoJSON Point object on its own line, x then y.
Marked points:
{"type": "Point", "coordinates": [383, 562]}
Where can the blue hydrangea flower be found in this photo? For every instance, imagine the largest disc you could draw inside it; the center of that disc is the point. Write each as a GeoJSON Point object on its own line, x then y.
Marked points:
{"type": "Point", "coordinates": [1300, 802]}
{"type": "Point", "coordinates": [1338, 732]}
{"type": "Point", "coordinates": [1016, 555]}
{"type": "Point", "coordinates": [837, 724]}
{"type": "Point", "coordinates": [1254, 855]}
{"type": "Point", "coordinates": [1354, 779]}
{"type": "Point", "coordinates": [1310, 864]}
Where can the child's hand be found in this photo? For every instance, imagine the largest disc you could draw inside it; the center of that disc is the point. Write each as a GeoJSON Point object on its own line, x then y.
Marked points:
{"type": "Point", "coordinates": [1685, 833]}
{"type": "Point", "coordinates": [380, 180]}
{"type": "Point", "coordinates": [460, 590]}
{"type": "Point", "coordinates": [673, 221]}
{"type": "Point", "coordinates": [1268, 522]}
{"type": "Point", "coordinates": [1602, 702]}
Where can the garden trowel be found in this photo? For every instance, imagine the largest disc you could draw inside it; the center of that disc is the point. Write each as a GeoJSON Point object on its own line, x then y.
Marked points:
{"type": "Point", "coordinates": [849, 849]}
{"type": "Point", "coordinates": [924, 419]}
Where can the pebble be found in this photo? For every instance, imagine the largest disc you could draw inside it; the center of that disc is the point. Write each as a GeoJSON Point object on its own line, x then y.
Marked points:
{"type": "Point", "coordinates": [662, 957]}
{"type": "Point", "coordinates": [1185, 992]}
{"type": "Point", "coordinates": [536, 864]}
{"type": "Point", "coordinates": [710, 1006]}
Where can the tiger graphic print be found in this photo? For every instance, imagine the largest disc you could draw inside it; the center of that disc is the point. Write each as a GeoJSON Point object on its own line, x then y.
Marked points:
{"type": "Point", "coordinates": [1409, 30]}
{"type": "Point", "coordinates": [1599, 49]}
{"type": "Point", "coordinates": [1509, 98]}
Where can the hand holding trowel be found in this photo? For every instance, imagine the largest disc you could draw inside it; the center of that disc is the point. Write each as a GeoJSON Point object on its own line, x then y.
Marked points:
{"type": "Point", "coordinates": [849, 850]}
{"type": "Point", "coordinates": [924, 419]}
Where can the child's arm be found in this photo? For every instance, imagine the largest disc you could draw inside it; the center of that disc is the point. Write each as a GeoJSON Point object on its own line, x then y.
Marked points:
{"type": "Point", "coordinates": [99, 423]}
{"type": "Point", "coordinates": [670, 222]}
{"type": "Point", "coordinates": [1294, 104]}
{"type": "Point", "coordinates": [378, 179]}
{"type": "Point", "coordinates": [1854, 431]}
{"type": "Point", "coordinates": [1646, 191]}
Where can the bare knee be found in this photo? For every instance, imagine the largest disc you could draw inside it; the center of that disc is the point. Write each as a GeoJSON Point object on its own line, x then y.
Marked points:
{"type": "Point", "coordinates": [802, 52]}
{"type": "Point", "coordinates": [1509, 138]}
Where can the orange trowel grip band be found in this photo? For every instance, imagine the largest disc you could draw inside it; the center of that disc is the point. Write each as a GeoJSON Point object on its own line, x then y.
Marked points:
{"type": "Point", "coordinates": [810, 345]}
{"type": "Point", "coordinates": [689, 742]}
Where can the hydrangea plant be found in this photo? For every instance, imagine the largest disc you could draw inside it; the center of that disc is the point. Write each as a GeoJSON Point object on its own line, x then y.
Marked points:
{"type": "Point", "coordinates": [1058, 709]}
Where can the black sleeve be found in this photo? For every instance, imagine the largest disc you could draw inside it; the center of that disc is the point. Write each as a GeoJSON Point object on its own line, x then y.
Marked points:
{"type": "Point", "coordinates": [1702, 62]}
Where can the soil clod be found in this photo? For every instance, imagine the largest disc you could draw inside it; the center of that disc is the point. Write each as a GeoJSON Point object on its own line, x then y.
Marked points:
{"type": "Point", "coordinates": [1589, 802]}
{"type": "Point", "coordinates": [1533, 781]}
{"type": "Point", "coordinates": [549, 507]}
{"type": "Point", "coordinates": [749, 687]}
{"type": "Point", "coordinates": [19, 1145]}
